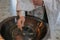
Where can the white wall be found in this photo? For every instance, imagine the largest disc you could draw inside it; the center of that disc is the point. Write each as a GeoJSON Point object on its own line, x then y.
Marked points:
{"type": "Point", "coordinates": [7, 9]}
{"type": "Point", "coordinates": [4, 9]}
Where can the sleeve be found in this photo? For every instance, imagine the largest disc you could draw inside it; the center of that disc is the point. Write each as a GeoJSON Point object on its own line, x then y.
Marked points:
{"type": "Point", "coordinates": [25, 5]}
{"type": "Point", "coordinates": [19, 8]}
{"type": "Point", "coordinates": [18, 5]}
{"type": "Point", "coordinates": [22, 13]}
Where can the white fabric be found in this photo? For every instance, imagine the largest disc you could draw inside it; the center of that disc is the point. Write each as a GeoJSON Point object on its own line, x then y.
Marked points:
{"type": "Point", "coordinates": [25, 5]}
{"type": "Point", "coordinates": [53, 13]}
{"type": "Point", "coordinates": [22, 13]}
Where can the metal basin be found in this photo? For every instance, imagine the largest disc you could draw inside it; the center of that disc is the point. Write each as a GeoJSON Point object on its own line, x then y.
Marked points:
{"type": "Point", "coordinates": [34, 29]}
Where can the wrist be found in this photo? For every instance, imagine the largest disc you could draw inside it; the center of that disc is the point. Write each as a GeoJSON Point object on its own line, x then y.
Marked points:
{"type": "Point", "coordinates": [22, 14]}
{"type": "Point", "coordinates": [21, 17]}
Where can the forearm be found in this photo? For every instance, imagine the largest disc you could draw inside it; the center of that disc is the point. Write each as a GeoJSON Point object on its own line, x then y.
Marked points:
{"type": "Point", "coordinates": [21, 19]}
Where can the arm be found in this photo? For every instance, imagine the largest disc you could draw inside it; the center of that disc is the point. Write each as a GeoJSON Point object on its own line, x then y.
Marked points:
{"type": "Point", "coordinates": [21, 14]}
{"type": "Point", "coordinates": [21, 19]}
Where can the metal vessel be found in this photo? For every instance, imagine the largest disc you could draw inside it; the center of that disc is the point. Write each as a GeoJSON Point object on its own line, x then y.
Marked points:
{"type": "Point", "coordinates": [34, 29]}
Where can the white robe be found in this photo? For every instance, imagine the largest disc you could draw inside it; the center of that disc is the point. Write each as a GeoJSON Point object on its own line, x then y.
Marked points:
{"type": "Point", "coordinates": [25, 5]}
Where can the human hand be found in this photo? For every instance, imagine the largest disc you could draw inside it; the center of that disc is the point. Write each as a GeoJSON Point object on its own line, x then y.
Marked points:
{"type": "Point", "coordinates": [20, 22]}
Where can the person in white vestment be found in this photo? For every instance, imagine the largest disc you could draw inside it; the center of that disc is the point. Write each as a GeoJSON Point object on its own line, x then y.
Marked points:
{"type": "Point", "coordinates": [25, 5]}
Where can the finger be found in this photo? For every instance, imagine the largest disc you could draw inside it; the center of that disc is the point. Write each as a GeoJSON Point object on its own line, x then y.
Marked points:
{"type": "Point", "coordinates": [21, 28]}
{"type": "Point", "coordinates": [23, 23]}
{"type": "Point", "coordinates": [19, 25]}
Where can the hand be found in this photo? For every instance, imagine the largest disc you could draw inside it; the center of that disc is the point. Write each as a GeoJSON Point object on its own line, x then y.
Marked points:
{"type": "Point", "coordinates": [20, 22]}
